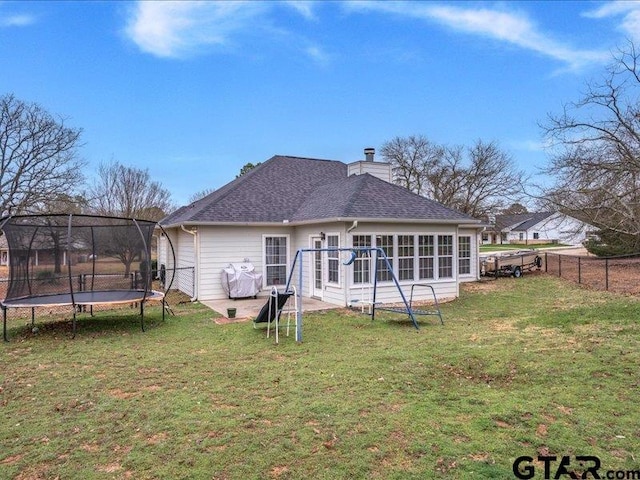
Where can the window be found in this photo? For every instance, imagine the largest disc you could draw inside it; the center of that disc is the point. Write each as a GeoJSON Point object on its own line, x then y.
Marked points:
{"type": "Point", "coordinates": [521, 236]}
{"type": "Point", "coordinates": [445, 256]}
{"type": "Point", "coordinates": [464, 255]}
{"type": "Point", "coordinates": [362, 264]}
{"type": "Point", "coordinates": [333, 259]}
{"type": "Point", "coordinates": [275, 260]}
{"type": "Point", "coordinates": [536, 236]}
{"type": "Point", "coordinates": [425, 257]}
{"type": "Point", "coordinates": [385, 242]}
{"type": "Point", "coordinates": [405, 257]}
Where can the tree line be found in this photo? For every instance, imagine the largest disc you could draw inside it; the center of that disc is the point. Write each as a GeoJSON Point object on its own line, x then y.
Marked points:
{"type": "Point", "coordinates": [594, 165]}
{"type": "Point", "coordinates": [41, 171]}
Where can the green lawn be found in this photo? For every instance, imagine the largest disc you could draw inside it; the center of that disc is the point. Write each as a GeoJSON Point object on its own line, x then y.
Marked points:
{"type": "Point", "coordinates": [530, 366]}
{"type": "Point", "coordinates": [513, 246]}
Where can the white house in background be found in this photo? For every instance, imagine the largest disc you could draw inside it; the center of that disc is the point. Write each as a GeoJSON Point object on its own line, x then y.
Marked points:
{"type": "Point", "coordinates": [540, 227]}
{"type": "Point", "coordinates": [289, 203]}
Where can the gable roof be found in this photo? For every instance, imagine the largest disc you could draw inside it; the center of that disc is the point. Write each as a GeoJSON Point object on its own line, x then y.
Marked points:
{"type": "Point", "coordinates": [307, 190]}
{"type": "Point", "coordinates": [520, 222]}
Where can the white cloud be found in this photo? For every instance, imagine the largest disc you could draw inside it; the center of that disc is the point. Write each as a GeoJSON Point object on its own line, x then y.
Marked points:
{"type": "Point", "coordinates": [629, 11]}
{"type": "Point", "coordinates": [23, 20]}
{"type": "Point", "coordinates": [510, 27]}
{"type": "Point", "coordinates": [529, 145]}
{"type": "Point", "coordinates": [303, 7]}
{"type": "Point", "coordinates": [182, 28]}
{"type": "Point", "coordinates": [318, 55]}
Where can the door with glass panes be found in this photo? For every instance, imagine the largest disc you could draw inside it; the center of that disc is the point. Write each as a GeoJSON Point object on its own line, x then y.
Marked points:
{"type": "Point", "coordinates": [316, 268]}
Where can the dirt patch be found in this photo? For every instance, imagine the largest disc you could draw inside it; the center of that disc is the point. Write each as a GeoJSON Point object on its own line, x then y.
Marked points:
{"type": "Point", "coordinates": [485, 285]}
{"type": "Point", "coordinates": [11, 460]}
{"type": "Point", "coordinates": [226, 321]}
{"type": "Point", "coordinates": [121, 395]}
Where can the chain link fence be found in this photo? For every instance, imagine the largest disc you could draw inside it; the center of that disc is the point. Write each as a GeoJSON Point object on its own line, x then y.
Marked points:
{"type": "Point", "coordinates": [616, 274]}
{"type": "Point", "coordinates": [183, 286]}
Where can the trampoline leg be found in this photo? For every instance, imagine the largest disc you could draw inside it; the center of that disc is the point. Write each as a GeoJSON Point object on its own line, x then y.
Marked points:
{"type": "Point", "coordinates": [74, 323]}
{"type": "Point", "coordinates": [33, 317]}
{"type": "Point", "coordinates": [163, 309]}
{"type": "Point", "coordinates": [4, 324]}
{"type": "Point", "coordinates": [142, 315]}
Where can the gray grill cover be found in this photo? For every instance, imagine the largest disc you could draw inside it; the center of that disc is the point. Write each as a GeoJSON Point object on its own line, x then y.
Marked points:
{"type": "Point", "coordinates": [240, 280]}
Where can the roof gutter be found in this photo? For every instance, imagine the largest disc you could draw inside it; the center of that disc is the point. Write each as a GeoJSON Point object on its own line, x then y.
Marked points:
{"type": "Point", "coordinates": [194, 232]}
{"type": "Point", "coordinates": [295, 223]}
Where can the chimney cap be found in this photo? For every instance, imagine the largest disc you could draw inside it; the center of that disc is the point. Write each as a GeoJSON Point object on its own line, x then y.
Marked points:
{"type": "Point", "coordinates": [369, 152]}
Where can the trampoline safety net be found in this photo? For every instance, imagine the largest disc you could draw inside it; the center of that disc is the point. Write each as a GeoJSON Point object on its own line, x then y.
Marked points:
{"type": "Point", "coordinates": [63, 255]}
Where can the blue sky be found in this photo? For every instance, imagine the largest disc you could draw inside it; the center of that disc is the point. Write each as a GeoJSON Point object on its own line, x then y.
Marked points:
{"type": "Point", "coordinates": [193, 91]}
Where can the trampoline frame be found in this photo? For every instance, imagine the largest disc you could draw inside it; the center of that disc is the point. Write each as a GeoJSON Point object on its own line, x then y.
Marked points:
{"type": "Point", "coordinates": [83, 298]}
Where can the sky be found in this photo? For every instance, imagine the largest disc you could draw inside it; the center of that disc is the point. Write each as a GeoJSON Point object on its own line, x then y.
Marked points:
{"type": "Point", "coordinates": [192, 91]}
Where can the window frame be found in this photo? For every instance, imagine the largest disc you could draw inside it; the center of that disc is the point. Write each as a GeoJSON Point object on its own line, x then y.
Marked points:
{"type": "Point", "coordinates": [464, 259]}
{"type": "Point", "coordinates": [406, 253]}
{"type": "Point", "coordinates": [432, 257]}
{"type": "Point", "coordinates": [362, 259]}
{"type": "Point", "coordinates": [333, 259]}
{"type": "Point", "coordinates": [382, 272]}
{"type": "Point", "coordinates": [265, 277]}
{"type": "Point", "coordinates": [445, 251]}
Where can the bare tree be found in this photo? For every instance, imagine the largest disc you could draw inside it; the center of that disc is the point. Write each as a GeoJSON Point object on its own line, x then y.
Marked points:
{"type": "Point", "coordinates": [201, 194]}
{"type": "Point", "coordinates": [38, 157]}
{"type": "Point", "coordinates": [596, 152]}
{"type": "Point", "coordinates": [515, 209]}
{"type": "Point", "coordinates": [477, 181]}
{"type": "Point", "coordinates": [412, 159]}
{"type": "Point", "coordinates": [128, 192]}
{"type": "Point", "coordinates": [52, 226]}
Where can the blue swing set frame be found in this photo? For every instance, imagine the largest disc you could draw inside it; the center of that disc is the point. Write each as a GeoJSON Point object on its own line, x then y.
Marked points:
{"type": "Point", "coordinates": [355, 253]}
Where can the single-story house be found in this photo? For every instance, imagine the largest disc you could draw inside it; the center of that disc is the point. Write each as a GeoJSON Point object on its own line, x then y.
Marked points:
{"type": "Point", "coordinates": [289, 203]}
{"type": "Point", "coordinates": [537, 227]}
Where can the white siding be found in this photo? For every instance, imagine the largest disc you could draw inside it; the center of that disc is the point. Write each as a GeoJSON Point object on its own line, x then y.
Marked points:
{"type": "Point", "coordinates": [217, 246]}
{"type": "Point", "coordinates": [334, 294]}
{"type": "Point", "coordinates": [562, 228]}
{"type": "Point", "coordinates": [381, 170]}
{"type": "Point", "coordinates": [220, 246]}
{"type": "Point", "coordinates": [183, 277]}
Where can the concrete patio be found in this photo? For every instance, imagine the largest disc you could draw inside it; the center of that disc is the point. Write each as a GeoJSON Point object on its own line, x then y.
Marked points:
{"type": "Point", "coordinates": [248, 308]}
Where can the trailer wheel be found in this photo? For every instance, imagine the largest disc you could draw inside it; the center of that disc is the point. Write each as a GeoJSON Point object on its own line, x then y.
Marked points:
{"type": "Point", "coordinates": [517, 272]}
{"type": "Point", "coordinates": [538, 262]}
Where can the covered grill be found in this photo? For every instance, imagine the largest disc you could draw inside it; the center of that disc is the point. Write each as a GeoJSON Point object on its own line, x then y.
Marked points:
{"type": "Point", "coordinates": [240, 280]}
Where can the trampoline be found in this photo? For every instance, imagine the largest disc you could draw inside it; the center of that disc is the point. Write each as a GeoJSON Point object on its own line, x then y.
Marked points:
{"type": "Point", "coordinates": [78, 261]}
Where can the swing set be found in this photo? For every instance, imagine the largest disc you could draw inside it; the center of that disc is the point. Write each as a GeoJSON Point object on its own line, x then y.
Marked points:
{"type": "Point", "coordinates": [355, 253]}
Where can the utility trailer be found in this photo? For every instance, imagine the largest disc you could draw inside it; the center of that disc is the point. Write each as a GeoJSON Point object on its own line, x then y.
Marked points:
{"type": "Point", "coordinates": [510, 264]}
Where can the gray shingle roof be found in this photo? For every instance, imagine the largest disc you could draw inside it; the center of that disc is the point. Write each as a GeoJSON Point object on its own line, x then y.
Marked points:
{"type": "Point", "coordinates": [302, 190]}
{"type": "Point", "coordinates": [520, 222]}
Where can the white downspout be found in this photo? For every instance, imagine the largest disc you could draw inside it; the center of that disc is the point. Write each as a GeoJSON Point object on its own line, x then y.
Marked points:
{"type": "Point", "coordinates": [196, 270]}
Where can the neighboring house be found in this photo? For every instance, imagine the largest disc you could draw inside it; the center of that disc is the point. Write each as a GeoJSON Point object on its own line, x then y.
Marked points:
{"type": "Point", "coordinates": [41, 254]}
{"type": "Point", "coordinates": [289, 203]}
{"type": "Point", "coordinates": [539, 227]}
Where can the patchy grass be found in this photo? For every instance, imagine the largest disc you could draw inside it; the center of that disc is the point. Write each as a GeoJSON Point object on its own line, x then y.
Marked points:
{"type": "Point", "coordinates": [530, 366]}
